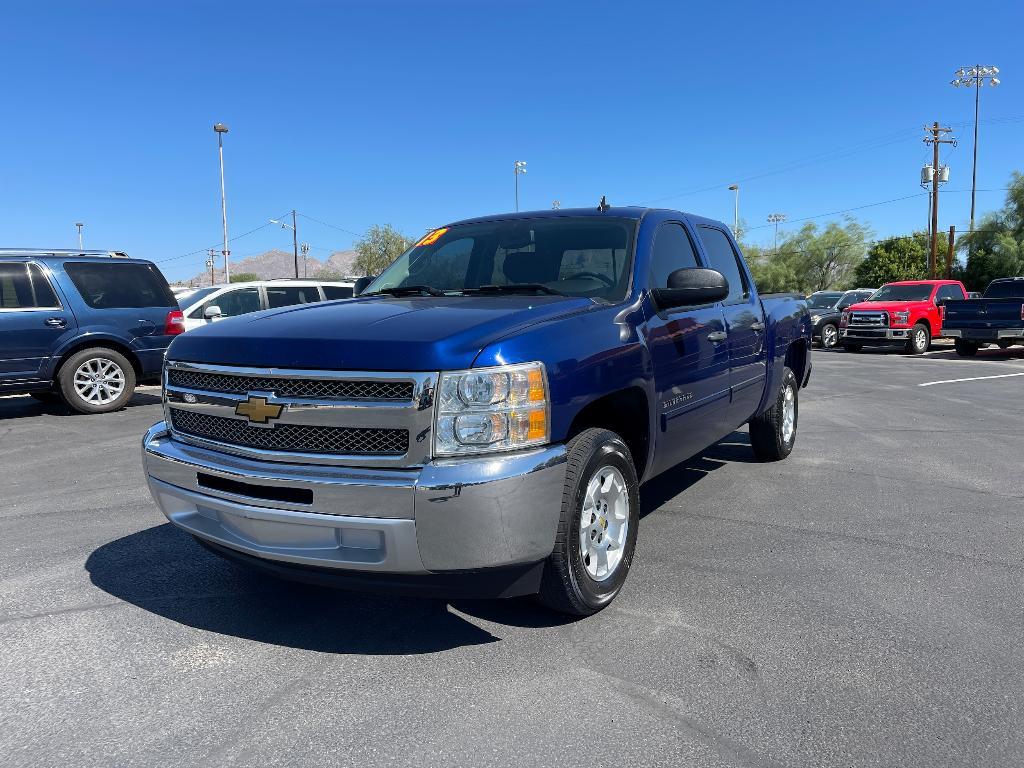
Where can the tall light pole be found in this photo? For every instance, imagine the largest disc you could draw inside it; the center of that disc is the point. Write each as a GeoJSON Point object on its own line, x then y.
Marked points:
{"type": "Point", "coordinates": [775, 218]}
{"type": "Point", "coordinates": [79, 224]}
{"type": "Point", "coordinates": [519, 167]}
{"type": "Point", "coordinates": [975, 77]}
{"type": "Point", "coordinates": [294, 227]}
{"type": "Point", "coordinates": [220, 129]}
{"type": "Point", "coordinates": [736, 211]}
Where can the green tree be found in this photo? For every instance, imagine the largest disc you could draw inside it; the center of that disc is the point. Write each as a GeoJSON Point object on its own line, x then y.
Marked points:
{"type": "Point", "coordinates": [380, 246]}
{"type": "Point", "coordinates": [904, 257]}
{"type": "Point", "coordinates": [826, 258]}
{"type": "Point", "coordinates": [996, 247]}
{"type": "Point", "coordinates": [244, 277]}
{"type": "Point", "coordinates": [326, 273]}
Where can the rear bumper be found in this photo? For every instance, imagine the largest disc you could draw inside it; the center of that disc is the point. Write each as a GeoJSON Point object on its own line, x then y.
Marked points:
{"type": "Point", "coordinates": [983, 334]}
{"type": "Point", "coordinates": [454, 517]}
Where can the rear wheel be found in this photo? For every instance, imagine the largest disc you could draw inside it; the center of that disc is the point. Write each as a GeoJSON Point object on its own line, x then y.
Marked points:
{"type": "Point", "coordinates": [773, 433]}
{"type": "Point", "coordinates": [97, 380]}
{"type": "Point", "coordinates": [965, 348]}
{"type": "Point", "coordinates": [919, 341]}
{"type": "Point", "coordinates": [829, 336]}
{"type": "Point", "coordinates": [598, 525]}
{"type": "Point", "coordinates": [1004, 344]}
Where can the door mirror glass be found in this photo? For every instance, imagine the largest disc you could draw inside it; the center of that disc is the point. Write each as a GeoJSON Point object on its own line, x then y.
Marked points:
{"type": "Point", "coordinates": [692, 287]}
{"type": "Point", "coordinates": [212, 312]}
{"type": "Point", "coordinates": [361, 284]}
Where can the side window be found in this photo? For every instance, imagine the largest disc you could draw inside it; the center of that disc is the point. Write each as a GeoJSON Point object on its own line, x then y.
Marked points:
{"type": "Point", "coordinates": [234, 303]}
{"type": "Point", "coordinates": [41, 289]}
{"type": "Point", "coordinates": [15, 287]}
{"type": "Point", "coordinates": [722, 257]}
{"type": "Point", "coordinates": [672, 250]}
{"type": "Point", "coordinates": [337, 292]}
{"type": "Point", "coordinates": [288, 295]}
{"type": "Point", "coordinates": [116, 284]}
{"type": "Point", "coordinates": [950, 292]}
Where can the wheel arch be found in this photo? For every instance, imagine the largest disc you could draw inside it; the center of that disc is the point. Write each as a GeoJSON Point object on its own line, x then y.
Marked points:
{"type": "Point", "coordinates": [91, 342]}
{"type": "Point", "coordinates": [627, 413]}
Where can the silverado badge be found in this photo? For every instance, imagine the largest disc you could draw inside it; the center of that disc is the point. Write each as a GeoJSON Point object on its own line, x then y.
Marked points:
{"type": "Point", "coordinates": [258, 410]}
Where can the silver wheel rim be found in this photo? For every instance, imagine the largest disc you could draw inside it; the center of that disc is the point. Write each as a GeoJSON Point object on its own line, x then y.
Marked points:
{"type": "Point", "coordinates": [829, 336]}
{"type": "Point", "coordinates": [99, 381]}
{"type": "Point", "coordinates": [919, 339]}
{"type": "Point", "coordinates": [788, 414]}
{"type": "Point", "coordinates": [604, 523]}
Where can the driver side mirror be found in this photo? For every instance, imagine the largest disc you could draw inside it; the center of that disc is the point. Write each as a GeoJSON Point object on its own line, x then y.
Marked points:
{"type": "Point", "coordinates": [360, 285]}
{"type": "Point", "coordinates": [212, 312]}
{"type": "Point", "coordinates": [692, 287]}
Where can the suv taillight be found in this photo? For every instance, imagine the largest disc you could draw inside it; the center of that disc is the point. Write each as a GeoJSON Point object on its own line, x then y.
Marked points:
{"type": "Point", "coordinates": [175, 323]}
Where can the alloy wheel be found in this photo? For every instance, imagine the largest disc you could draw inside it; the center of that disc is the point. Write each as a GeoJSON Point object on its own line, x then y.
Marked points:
{"type": "Point", "coordinates": [99, 381]}
{"type": "Point", "coordinates": [604, 523]}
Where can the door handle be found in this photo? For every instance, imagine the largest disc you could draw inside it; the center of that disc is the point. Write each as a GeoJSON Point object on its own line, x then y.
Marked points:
{"type": "Point", "coordinates": [717, 336]}
{"type": "Point", "coordinates": [55, 322]}
{"type": "Point", "coordinates": [757, 325]}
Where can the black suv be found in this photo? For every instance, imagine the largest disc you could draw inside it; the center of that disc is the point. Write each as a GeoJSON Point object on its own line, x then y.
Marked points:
{"type": "Point", "coordinates": [826, 307]}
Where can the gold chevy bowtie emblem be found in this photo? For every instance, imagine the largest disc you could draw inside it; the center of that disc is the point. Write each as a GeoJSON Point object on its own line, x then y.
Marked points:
{"type": "Point", "coordinates": [258, 410]}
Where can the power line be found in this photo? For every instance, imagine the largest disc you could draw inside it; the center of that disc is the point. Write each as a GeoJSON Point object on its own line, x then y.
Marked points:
{"type": "Point", "coordinates": [332, 226]}
{"type": "Point", "coordinates": [207, 248]}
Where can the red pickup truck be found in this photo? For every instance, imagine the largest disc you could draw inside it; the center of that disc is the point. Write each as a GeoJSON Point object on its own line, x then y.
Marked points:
{"type": "Point", "coordinates": [905, 314]}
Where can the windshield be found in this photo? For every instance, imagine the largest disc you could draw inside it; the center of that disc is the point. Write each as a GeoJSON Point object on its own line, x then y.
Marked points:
{"type": "Point", "coordinates": [199, 294]}
{"type": "Point", "coordinates": [1005, 289]}
{"type": "Point", "coordinates": [908, 292]}
{"type": "Point", "coordinates": [583, 256]}
{"type": "Point", "coordinates": [823, 300]}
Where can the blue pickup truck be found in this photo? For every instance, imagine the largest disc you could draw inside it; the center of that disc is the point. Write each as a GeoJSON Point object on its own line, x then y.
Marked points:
{"type": "Point", "coordinates": [997, 317]}
{"type": "Point", "coordinates": [82, 326]}
{"type": "Point", "coordinates": [478, 421]}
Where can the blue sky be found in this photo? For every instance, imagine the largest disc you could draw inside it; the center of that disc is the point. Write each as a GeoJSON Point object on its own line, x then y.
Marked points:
{"type": "Point", "coordinates": [413, 113]}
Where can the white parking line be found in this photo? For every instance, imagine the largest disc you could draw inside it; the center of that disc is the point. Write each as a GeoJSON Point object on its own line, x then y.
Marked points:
{"type": "Point", "coordinates": [972, 378]}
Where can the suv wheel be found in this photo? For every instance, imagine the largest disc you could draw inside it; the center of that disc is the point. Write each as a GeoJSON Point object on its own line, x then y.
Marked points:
{"type": "Point", "coordinates": [97, 380]}
{"type": "Point", "coordinates": [597, 529]}
{"type": "Point", "coordinates": [829, 335]}
{"type": "Point", "coordinates": [919, 341]}
{"type": "Point", "coordinates": [773, 433]}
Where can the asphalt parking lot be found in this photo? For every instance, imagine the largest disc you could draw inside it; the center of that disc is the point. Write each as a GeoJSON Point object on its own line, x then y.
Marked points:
{"type": "Point", "coordinates": [860, 603]}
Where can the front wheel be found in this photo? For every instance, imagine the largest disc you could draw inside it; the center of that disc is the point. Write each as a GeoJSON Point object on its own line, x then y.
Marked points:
{"type": "Point", "coordinates": [97, 380]}
{"type": "Point", "coordinates": [919, 341]}
{"type": "Point", "coordinates": [597, 528]}
{"type": "Point", "coordinates": [829, 336]}
{"type": "Point", "coordinates": [773, 433]}
{"type": "Point", "coordinates": [965, 348]}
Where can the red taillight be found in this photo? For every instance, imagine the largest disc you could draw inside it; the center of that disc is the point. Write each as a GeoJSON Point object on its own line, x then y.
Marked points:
{"type": "Point", "coordinates": [175, 323]}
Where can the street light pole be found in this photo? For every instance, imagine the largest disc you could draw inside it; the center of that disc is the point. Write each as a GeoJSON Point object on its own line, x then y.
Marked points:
{"type": "Point", "coordinates": [975, 77]}
{"type": "Point", "coordinates": [775, 218]}
{"type": "Point", "coordinates": [220, 130]}
{"type": "Point", "coordinates": [79, 224]}
{"type": "Point", "coordinates": [518, 167]}
{"type": "Point", "coordinates": [295, 243]}
{"type": "Point", "coordinates": [736, 211]}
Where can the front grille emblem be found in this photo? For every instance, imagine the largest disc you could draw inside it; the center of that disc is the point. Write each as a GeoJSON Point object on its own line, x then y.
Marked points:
{"type": "Point", "coordinates": [258, 410]}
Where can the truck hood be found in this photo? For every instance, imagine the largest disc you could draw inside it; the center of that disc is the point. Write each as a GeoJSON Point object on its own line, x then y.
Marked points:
{"type": "Point", "coordinates": [372, 334]}
{"type": "Point", "coordinates": [888, 306]}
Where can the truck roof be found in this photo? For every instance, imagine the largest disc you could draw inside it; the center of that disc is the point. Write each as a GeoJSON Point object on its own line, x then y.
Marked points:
{"type": "Point", "coordinates": [925, 282]}
{"type": "Point", "coordinates": [620, 212]}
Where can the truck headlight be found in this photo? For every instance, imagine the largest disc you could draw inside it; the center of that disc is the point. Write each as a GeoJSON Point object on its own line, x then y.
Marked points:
{"type": "Point", "coordinates": [491, 409]}
{"type": "Point", "coordinates": [900, 318]}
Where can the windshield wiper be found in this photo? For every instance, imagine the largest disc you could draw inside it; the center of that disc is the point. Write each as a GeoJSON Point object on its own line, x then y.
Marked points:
{"type": "Point", "coordinates": [407, 290]}
{"type": "Point", "coordinates": [516, 288]}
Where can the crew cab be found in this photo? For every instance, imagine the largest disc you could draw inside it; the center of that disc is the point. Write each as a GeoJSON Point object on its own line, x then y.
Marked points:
{"type": "Point", "coordinates": [478, 421]}
{"type": "Point", "coordinates": [996, 318]}
{"type": "Point", "coordinates": [904, 314]}
{"type": "Point", "coordinates": [83, 326]}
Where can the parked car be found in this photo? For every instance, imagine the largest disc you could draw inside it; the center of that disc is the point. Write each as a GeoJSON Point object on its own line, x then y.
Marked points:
{"type": "Point", "coordinates": [904, 314]}
{"type": "Point", "coordinates": [83, 326]}
{"type": "Point", "coordinates": [479, 421]}
{"type": "Point", "coordinates": [207, 305]}
{"type": "Point", "coordinates": [996, 318]}
{"type": "Point", "coordinates": [973, 294]}
{"type": "Point", "coordinates": [826, 308]}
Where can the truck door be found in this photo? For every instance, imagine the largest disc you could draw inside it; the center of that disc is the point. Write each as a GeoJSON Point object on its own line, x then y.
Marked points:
{"type": "Point", "coordinates": [690, 358]}
{"type": "Point", "coordinates": [744, 322]}
{"type": "Point", "coordinates": [32, 321]}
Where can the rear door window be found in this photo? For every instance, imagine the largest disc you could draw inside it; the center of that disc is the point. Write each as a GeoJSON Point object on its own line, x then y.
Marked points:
{"type": "Point", "coordinates": [15, 287]}
{"type": "Point", "coordinates": [287, 295]}
{"type": "Point", "coordinates": [119, 285]}
{"type": "Point", "coordinates": [337, 291]}
{"type": "Point", "coordinates": [722, 257]}
{"type": "Point", "coordinates": [234, 303]}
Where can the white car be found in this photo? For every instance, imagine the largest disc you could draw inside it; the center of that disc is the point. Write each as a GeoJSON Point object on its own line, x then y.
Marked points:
{"type": "Point", "coordinates": [208, 305]}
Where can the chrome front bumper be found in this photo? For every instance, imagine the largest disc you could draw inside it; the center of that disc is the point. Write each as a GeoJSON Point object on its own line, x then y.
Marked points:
{"type": "Point", "coordinates": [874, 335]}
{"type": "Point", "coordinates": [449, 515]}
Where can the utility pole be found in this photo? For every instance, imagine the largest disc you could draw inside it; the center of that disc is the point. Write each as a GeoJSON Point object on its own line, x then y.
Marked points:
{"type": "Point", "coordinates": [305, 253]}
{"type": "Point", "coordinates": [210, 263]}
{"type": "Point", "coordinates": [220, 130]}
{"type": "Point", "coordinates": [935, 139]}
{"type": "Point", "coordinates": [949, 253]}
{"type": "Point", "coordinates": [79, 225]}
{"type": "Point", "coordinates": [295, 242]}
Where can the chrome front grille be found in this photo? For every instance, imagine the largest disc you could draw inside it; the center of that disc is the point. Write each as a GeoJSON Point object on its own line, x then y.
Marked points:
{"type": "Point", "coordinates": [294, 438]}
{"type": "Point", "coordinates": [350, 418]}
{"type": "Point", "coordinates": [319, 389]}
{"type": "Point", "coordinates": [868, 320]}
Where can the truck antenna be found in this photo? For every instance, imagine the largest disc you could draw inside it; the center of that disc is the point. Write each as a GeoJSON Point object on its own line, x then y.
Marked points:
{"type": "Point", "coordinates": [603, 205]}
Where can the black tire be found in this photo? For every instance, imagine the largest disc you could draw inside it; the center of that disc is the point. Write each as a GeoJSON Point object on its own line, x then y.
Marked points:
{"type": "Point", "coordinates": [566, 586]}
{"type": "Point", "coordinates": [920, 340]}
{"type": "Point", "coordinates": [767, 431]}
{"type": "Point", "coordinates": [829, 335]}
{"type": "Point", "coordinates": [97, 356]}
{"type": "Point", "coordinates": [965, 348]}
{"type": "Point", "coordinates": [852, 347]}
{"type": "Point", "coordinates": [1004, 344]}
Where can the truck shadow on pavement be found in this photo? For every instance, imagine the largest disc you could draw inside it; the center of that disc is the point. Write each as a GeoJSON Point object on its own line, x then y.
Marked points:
{"type": "Point", "coordinates": [26, 406]}
{"type": "Point", "coordinates": [164, 571]}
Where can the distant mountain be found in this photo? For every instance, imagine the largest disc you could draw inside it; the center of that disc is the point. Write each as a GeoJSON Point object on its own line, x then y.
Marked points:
{"type": "Point", "coordinates": [276, 264]}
